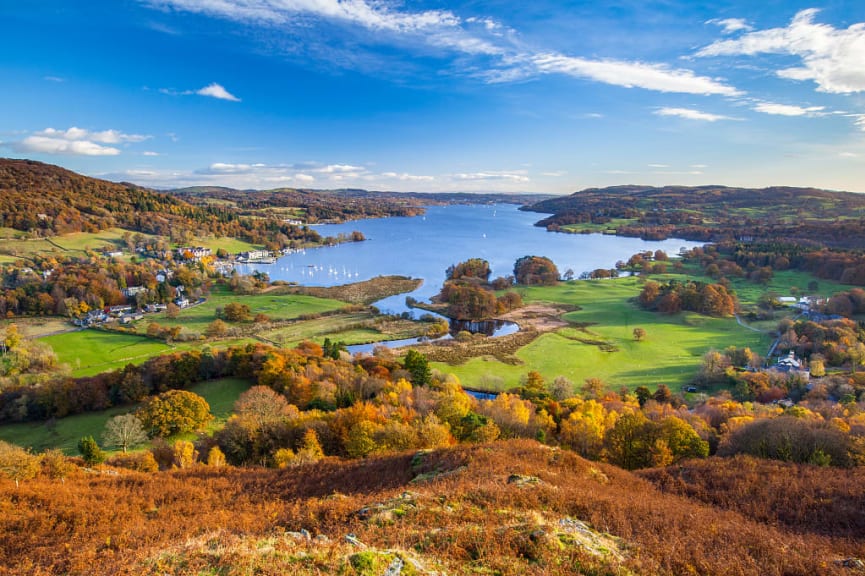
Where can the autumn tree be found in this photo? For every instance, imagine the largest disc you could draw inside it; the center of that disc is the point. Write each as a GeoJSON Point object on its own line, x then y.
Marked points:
{"type": "Point", "coordinates": [55, 464]}
{"type": "Point", "coordinates": [260, 405]}
{"type": "Point", "coordinates": [639, 334]}
{"type": "Point", "coordinates": [184, 454]}
{"type": "Point", "coordinates": [536, 270]}
{"type": "Point", "coordinates": [215, 457]}
{"type": "Point", "coordinates": [310, 448]}
{"type": "Point", "coordinates": [472, 268]}
{"type": "Point", "coordinates": [16, 463]}
{"type": "Point", "coordinates": [174, 412]}
{"type": "Point", "coordinates": [236, 312]}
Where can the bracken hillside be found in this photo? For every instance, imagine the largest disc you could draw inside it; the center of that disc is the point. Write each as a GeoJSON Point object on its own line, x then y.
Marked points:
{"type": "Point", "coordinates": [514, 507]}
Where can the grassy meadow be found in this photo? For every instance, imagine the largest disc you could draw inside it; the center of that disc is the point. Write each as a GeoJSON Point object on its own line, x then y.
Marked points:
{"type": "Point", "coordinates": [600, 342]}
{"type": "Point", "coordinates": [64, 433]}
{"type": "Point", "coordinates": [276, 307]}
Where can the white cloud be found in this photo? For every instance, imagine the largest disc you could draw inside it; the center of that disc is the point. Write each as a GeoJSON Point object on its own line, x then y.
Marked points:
{"type": "Point", "coordinates": [405, 177]}
{"type": "Point", "coordinates": [513, 176]}
{"type": "Point", "coordinates": [150, 153]}
{"type": "Point", "coordinates": [339, 169]}
{"type": "Point", "coordinates": [659, 77]}
{"type": "Point", "coordinates": [659, 165]}
{"type": "Point", "coordinates": [215, 90]}
{"type": "Point", "coordinates": [699, 166]}
{"type": "Point", "coordinates": [859, 120]}
{"type": "Point", "coordinates": [731, 25]}
{"type": "Point", "coordinates": [304, 178]}
{"type": "Point", "coordinates": [226, 168]}
{"type": "Point", "coordinates": [76, 141]}
{"type": "Point", "coordinates": [103, 137]}
{"type": "Point", "coordinates": [690, 114]}
{"type": "Point", "coordinates": [831, 57]}
{"type": "Point", "coordinates": [787, 110]}
{"type": "Point", "coordinates": [57, 79]}
{"type": "Point", "coordinates": [48, 145]}
{"type": "Point", "coordinates": [848, 155]}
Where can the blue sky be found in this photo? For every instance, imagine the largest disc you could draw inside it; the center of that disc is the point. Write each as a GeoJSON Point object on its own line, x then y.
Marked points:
{"type": "Point", "coordinates": [494, 95]}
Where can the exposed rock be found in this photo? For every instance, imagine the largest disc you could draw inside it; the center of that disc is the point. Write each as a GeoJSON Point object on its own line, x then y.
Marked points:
{"type": "Point", "coordinates": [520, 480]}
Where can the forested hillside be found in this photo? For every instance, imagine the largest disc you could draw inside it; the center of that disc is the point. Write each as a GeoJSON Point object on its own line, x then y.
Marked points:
{"type": "Point", "coordinates": [52, 200]}
{"type": "Point", "coordinates": [806, 216]}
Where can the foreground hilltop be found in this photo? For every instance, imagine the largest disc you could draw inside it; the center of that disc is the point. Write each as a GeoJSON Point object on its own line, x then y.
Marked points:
{"type": "Point", "coordinates": [37, 196]}
{"type": "Point", "coordinates": [713, 213]}
{"type": "Point", "coordinates": [512, 507]}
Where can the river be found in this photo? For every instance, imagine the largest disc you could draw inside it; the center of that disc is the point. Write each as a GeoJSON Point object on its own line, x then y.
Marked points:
{"type": "Point", "coordinates": [424, 247]}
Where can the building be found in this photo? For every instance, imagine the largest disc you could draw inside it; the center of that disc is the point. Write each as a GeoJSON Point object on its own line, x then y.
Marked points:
{"type": "Point", "coordinates": [192, 253]}
{"type": "Point", "coordinates": [131, 291]}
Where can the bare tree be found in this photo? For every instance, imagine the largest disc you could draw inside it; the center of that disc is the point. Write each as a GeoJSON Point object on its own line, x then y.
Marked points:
{"type": "Point", "coordinates": [124, 432]}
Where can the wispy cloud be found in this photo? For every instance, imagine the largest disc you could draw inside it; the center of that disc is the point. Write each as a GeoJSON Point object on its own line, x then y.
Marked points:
{"type": "Point", "coordinates": [57, 79]}
{"type": "Point", "coordinates": [831, 57]}
{"type": "Point", "coordinates": [484, 47]}
{"type": "Point", "coordinates": [690, 114]}
{"type": "Point", "coordinates": [731, 25]}
{"type": "Point", "coordinates": [76, 141]}
{"type": "Point", "coordinates": [787, 109]}
{"type": "Point", "coordinates": [659, 77]}
{"type": "Point", "coordinates": [514, 176]}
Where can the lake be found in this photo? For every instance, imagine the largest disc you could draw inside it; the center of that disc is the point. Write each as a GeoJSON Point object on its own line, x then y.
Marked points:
{"type": "Point", "coordinates": [424, 247]}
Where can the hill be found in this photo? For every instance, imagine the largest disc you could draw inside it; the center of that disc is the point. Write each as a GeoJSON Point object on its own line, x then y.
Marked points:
{"type": "Point", "coordinates": [807, 216]}
{"type": "Point", "coordinates": [513, 507]}
{"type": "Point", "coordinates": [343, 204]}
{"type": "Point", "coordinates": [37, 196]}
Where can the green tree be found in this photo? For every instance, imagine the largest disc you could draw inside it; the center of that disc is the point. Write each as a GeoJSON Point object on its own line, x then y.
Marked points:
{"type": "Point", "coordinates": [625, 442]}
{"type": "Point", "coordinates": [360, 442]}
{"type": "Point", "coordinates": [174, 412]}
{"type": "Point", "coordinates": [90, 451]}
{"type": "Point", "coordinates": [418, 366]}
{"type": "Point", "coordinates": [124, 432]}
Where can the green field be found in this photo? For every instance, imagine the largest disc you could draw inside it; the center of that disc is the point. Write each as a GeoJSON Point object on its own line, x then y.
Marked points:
{"type": "Point", "coordinates": [64, 433]}
{"type": "Point", "coordinates": [607, 228]}
{"type": "Point", "coordinates": [93, 351]}
{"type": "Point", "coordinates": [90, 352]}
{"type": "Point", "coordinates": [670, 353]}
{"type": "Point", "coordinates": [276, 307]}
{"type": "Point", "coordinates": [230, 245]}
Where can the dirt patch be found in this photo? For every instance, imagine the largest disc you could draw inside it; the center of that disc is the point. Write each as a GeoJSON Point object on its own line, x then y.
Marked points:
{"type": "Point", "coordinates": [501, 348]}
{"type": "Point", "coordinates": [365, 292]}
{"type": "Point", "coordinates": [539, 316]}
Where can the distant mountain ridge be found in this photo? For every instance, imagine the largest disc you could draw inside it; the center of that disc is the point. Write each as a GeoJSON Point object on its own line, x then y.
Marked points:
{"type": "Point", "coordinates": [804, 216]}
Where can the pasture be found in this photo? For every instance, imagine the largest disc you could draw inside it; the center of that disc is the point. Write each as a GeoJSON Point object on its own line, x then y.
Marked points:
{"type": "Point", "coordinates": [599, 343]}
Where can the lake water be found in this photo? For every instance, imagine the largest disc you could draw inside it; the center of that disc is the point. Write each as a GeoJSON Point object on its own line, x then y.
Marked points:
{"type": "Point", "coordinates": [424, 247]}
